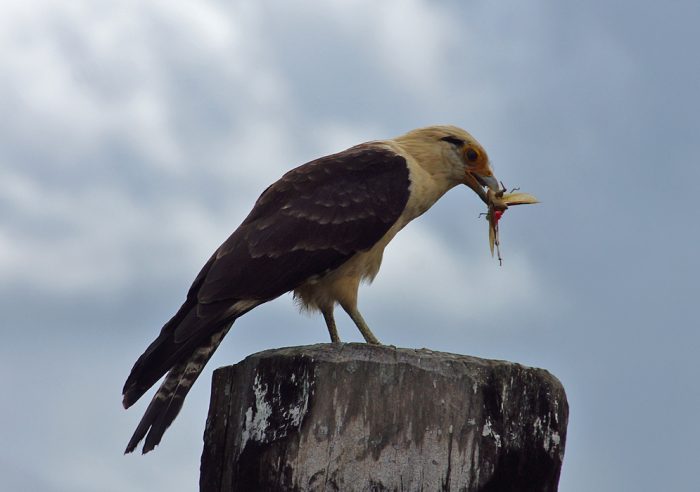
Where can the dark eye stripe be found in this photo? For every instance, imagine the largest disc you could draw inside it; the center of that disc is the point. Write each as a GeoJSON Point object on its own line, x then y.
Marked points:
{"type": "Point", "coordinates": [453, 140]}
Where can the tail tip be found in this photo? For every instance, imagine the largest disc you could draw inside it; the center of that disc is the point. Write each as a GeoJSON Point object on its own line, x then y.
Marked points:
{"type": "Point", "coordinates": [129, 398]}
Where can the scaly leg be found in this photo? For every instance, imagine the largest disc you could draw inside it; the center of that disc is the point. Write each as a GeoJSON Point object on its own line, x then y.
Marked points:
{"type": "Point", "coordinates": [330, 323]}
{"type": "Point", "coordinates": [361, 325]}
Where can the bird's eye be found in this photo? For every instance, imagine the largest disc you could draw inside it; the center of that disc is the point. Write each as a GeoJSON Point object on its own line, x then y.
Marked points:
{"type": "Point", "coordinates": [453, 140]}
{"type": "Point", "coordinates": [472, 155]}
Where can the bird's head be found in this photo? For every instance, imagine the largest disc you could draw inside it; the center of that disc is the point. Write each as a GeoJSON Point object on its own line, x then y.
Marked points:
{"type": "Point", "coordinates": [453, 154]}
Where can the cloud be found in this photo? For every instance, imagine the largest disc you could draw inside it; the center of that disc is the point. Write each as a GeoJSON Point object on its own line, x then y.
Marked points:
{"type": "Point", "coordinates": [133, 98]}
{"type": "Point", "coordinates": [104, 101]}
{"type": "Point", "coordinates": [457, 283]}
{"type": "Point", "coordinates": [410, 39]}
{"type": "Point", "coordinates": [136, 135]}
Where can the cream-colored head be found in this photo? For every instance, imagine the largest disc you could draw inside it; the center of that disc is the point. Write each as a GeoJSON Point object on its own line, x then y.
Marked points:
{"type": "Point", "coordinates": [450, 153]}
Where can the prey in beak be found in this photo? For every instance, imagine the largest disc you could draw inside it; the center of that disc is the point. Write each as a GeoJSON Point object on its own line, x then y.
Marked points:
{"type": "Point", "coordinates": [479, 176]}
{"type": "Point", "coordinates": [498, 202]}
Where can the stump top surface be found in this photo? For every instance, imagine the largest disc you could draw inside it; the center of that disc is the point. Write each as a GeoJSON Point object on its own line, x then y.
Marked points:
{"type": "Point", "coordinates": [445, 363]}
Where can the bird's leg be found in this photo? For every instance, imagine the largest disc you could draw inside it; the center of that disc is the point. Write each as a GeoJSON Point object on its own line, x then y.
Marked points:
{"type": "Point", "coordinates": [330, 323]}
{"type": "Point", "coordinates": [361, 324]}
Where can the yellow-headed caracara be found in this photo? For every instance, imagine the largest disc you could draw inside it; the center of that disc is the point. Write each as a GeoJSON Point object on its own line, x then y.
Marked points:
{"type": "Point", "coordinates": [318, 231]}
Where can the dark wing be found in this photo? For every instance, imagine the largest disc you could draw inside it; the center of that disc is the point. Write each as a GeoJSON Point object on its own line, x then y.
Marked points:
{"type": "Point", "coordinates": [309, 222]}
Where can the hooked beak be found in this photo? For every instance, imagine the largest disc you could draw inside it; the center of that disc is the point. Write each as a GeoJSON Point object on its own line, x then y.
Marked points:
{"type": "Point", "coordinates": [480, 183]}
{"type": "Point", "coordinates": [488, 182]}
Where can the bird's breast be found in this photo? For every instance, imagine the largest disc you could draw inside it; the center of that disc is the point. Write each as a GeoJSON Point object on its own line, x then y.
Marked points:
{"type": "Point", "coordinates": [341, 285]}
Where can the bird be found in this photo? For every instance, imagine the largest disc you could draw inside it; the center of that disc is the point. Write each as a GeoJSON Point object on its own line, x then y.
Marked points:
{"type": "Point", "coordinates": [318, 232]}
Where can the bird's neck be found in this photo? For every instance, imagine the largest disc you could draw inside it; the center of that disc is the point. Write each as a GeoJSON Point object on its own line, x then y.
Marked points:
{"type": "Point", "coordinates": [426, 189]}
{"type": "Point", "coordinates": [430, 179]}
{"type": "Point", "coordinates": [443, 169]}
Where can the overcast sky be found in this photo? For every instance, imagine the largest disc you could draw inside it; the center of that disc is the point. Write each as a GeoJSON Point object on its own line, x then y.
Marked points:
{"type": "Point", "coordinates": [136, 135]}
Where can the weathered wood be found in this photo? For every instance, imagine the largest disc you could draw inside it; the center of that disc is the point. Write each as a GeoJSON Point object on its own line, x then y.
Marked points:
{"type": "Point", "coordinates": [360, 417]}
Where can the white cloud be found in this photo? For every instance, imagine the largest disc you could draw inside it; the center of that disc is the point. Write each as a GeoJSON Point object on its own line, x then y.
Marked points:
{"type": "Point", "coordinates": [457, 283]}
{"type": "Point", "coordinates": [135, 134]}
{"type": "Point", "coordinates": [338, 135]}
{"type": "Point", "coordinates": [80, 77]}
{"type": "Point", "coordinates": [85, 253]}
{"type": "Point", "coordinates": [153, 77]}
{"type": "Point", "coordinates": [115, 84]}
{"type": "Point", "coordinates": [409, 39]}
{"type": "Point", "coordinates": [84, 76]}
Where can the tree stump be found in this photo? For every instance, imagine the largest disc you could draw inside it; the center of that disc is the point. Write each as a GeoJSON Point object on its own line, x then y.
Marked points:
{"type": "Point", "coordinates": [360, 417]}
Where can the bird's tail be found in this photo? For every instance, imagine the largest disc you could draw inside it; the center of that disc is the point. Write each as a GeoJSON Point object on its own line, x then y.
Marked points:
{"type": "Point", "coordinates": [169, 398]}
{"type": "Point", "coordinates": [167, 350]}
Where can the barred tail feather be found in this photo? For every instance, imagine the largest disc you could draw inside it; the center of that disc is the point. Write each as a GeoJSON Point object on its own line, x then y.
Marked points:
{"type": "Point", "coordinates": [161, 355]}
{"type": "Point", "coordinates": [168, 400]}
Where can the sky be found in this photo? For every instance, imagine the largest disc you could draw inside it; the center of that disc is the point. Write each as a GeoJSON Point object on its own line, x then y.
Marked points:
{"type": "Point", "coordinates": [137, 134]}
